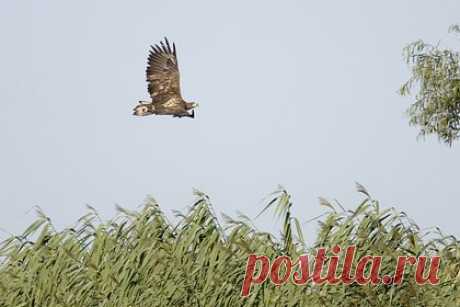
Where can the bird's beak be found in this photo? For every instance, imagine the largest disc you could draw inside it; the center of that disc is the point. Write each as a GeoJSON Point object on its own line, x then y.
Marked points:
{"type": "Point", "coordinates": [196, 105]}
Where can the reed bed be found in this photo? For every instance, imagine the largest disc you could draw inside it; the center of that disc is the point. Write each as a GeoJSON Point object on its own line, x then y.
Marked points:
{"type": "Point", "coordinates": [142, 259]}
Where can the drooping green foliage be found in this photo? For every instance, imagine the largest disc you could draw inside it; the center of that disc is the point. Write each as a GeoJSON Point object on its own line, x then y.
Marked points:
{"type": "Point", "coordinates": [142, 259]}
{"type": "Point", "coordinates": [436, 77]}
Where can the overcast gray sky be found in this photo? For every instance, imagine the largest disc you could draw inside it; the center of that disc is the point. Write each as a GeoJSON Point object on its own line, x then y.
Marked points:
{"type": "Point", "coordinates": [298, 93]}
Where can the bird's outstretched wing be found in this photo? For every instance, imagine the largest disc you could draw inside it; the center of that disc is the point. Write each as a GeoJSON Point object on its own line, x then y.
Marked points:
{"type": "Point", "coordinates": [163, 73]}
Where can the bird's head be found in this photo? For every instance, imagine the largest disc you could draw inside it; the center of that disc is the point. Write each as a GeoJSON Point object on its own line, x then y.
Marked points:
{"type": "Point", "coordinates": [142, 110]}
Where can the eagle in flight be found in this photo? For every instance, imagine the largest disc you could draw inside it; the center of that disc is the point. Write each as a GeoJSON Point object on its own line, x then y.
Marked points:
{"type": "Point", "coordinates": [164, 85]}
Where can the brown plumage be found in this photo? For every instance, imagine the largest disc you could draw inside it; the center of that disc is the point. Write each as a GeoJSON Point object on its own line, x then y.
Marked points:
{"type": "Point", "coordinates": [164, 85]}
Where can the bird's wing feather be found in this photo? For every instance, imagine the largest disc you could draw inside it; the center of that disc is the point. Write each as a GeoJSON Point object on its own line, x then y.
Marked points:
{"type": "Point", "coordinates": [163, 73]}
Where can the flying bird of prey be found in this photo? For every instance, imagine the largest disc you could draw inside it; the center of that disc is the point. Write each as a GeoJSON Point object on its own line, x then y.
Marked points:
{"type": "Point", "coordinates": [163, 80]}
